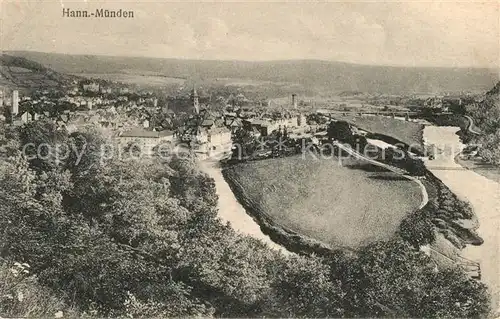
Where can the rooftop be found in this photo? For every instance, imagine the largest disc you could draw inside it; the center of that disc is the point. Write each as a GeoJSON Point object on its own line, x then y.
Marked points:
{"type": "Point", "coordinates": [141, 133]}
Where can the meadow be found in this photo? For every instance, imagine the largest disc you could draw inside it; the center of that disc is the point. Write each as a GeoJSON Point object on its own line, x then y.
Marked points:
{"type": "Point", "coordinates": [409, 133]}
{"type": "Point", "coordinates": [348, 203]}
{"type": "Point", "coordinates": [134, 79]}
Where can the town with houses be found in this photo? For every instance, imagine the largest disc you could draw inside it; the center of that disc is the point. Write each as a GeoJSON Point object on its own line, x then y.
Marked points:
{"type": "Point", "coordinates": [193, 159]}
{"type": "Point", "coordinates": [148, 120]}
{"type": "Point", "coordinates": [132, 117]}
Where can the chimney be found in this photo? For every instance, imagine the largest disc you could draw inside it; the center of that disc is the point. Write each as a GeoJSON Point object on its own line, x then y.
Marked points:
{"type": "Point", "coordinates": [294, 100]}
{"type": "Point", "coordinates": [15, 102]}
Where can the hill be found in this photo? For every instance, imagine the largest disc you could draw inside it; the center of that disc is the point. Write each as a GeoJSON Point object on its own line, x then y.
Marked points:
{"type": "Point", "coordinates": [321, 76]}
{"type": "Point", "coordinates": [495, 91]}
{"type": "Point", "coordinates": [486, 115]}
{"type": "Point", "coordinates": [25, 74]}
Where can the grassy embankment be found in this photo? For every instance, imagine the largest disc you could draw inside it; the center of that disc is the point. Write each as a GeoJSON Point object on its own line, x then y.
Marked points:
{"type": "Point", "coordinates": [304, 204]}
{"type": "Point", "coordinates": [347, 205]}
{"type": "Point", "coordinates": [389, 130]}
{"type": "Point", "coordinates": [446, 208]}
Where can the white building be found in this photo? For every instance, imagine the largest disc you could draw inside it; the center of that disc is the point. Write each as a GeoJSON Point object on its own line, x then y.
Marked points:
{"type": "Point", "coordinates": [146, 140]}
{"type": "Point", "coordinates": [92, 87]}
{"type": "Point", "coordinates": [209, 142]}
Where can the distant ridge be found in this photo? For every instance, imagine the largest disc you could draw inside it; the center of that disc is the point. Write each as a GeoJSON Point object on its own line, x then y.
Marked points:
{"type": "Point", "coordinates": [320, 76]}
{"type": "Point", "coordinates": [17, 72]}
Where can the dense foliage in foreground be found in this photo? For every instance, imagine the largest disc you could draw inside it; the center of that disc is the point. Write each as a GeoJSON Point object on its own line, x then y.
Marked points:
{"type": "Point", "coordinates": [142, 239]}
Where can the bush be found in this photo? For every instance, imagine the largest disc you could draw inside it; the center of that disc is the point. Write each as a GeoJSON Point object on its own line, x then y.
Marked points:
{"type": "Point", "coordinates": [22, 296]}
{"type": "Point", "coordinates": [417, 228]}
{"type": "Point", "coordinates": [143, 239]}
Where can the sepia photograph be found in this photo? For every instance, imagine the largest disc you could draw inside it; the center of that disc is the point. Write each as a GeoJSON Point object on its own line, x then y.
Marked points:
{"type": "Point", "coordinates": [249, 159]}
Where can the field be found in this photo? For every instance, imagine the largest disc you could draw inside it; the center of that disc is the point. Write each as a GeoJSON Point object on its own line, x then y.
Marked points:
{"type": "Point", "coordinates": [407, 132]}
{"type": "Point", "coordinates": [251, 82]}
{"type": "Point", "coordinates": [340, 205]}
{"type": "Point", "coordinates": [135, 79]}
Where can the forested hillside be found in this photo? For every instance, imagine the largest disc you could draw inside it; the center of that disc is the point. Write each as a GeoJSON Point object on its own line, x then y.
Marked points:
{"type": "Point", "coordinates": [486, 115]}
{"type": "Point", "coordinates": [322, 76]}
{"type": "Point", "coordinates": [21, 73]}
{"type": "Point", "coordinates": [84, 233]}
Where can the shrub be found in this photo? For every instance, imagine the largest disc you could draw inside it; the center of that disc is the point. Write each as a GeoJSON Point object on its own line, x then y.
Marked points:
{"type": "Point", "coordinates": [417, 228]}
{"type": "Point", "coordinates": [22, 296]}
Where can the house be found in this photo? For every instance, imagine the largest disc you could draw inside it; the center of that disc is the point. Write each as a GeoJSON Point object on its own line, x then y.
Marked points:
{"type": "Point", "coordinates": [91, 87]}
{"type": "Point", "coordinates": [233, 124]}
{"type": "Point", "coordinates": [27, 117]}
{"type": "Point", "coordinates": [210, 142]}
{"type": "Point", "coordinates": [145, 140]}
{"type": "Point", "coordinates": [207, 123]}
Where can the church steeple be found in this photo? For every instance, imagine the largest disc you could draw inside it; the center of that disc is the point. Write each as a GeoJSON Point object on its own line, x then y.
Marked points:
{"type": "Point", "coordinates": [196, 103]}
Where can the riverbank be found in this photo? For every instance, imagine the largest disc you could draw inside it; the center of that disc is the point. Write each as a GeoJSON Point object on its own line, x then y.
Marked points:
{"type": "Point", "coordinates": [482, 193]}
{"type": "Point", "coordinates": [231, 211]}
{"type": "Point", "coordinates": [477, 165]}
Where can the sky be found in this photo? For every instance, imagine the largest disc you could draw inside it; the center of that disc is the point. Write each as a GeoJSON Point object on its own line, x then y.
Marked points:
{"type": "Point", "coordinates": [448, 34]}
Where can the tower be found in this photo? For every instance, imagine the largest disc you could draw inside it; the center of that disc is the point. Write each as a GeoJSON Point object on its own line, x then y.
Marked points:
{"type": "Point", "coordinates": [15, 102]}
{"type": "Point", "coordinates": [196, 103]}
{"type": "Point", "coordinates": [294, 100]}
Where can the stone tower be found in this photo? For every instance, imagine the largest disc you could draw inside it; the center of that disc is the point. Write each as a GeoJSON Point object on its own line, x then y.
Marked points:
{"type": "Point", "coordinates": [196, 103]}
{"type": "Point", "coordinates": [294, 100]}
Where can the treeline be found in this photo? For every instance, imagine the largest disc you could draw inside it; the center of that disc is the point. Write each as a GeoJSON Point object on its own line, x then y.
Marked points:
{"type": "Point", "coordinates": [10, 60]}
{"type": "Point", "coordinates": [110, 237]}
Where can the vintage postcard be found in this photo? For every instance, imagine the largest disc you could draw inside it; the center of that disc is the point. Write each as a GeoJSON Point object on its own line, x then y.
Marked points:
{"type": "Point", "coordinates": [249, 159]}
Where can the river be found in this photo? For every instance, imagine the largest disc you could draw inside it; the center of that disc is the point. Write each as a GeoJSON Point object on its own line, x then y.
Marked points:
{"type": "Point", "coordinates": [230, 210]}
{"type": "Point", "coordinates": [484, 196]}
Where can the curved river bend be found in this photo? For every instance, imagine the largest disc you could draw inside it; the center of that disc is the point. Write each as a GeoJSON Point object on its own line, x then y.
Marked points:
{"type": "Point", "coordinates": [482, 193]}
{"type": "Point", "coordinates": [230, 210]}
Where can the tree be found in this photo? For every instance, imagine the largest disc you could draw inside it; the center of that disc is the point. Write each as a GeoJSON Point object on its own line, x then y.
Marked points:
{"type": "Point", "coordinates": [340, 130]}
{"type": "Point", "coordinates": [417, 228]}
{"type": "Point", "coordinates": [397, 281]}
{"type": "Point", "coordinates": [21, 295]}
{"type": "Point", "coordinates": [143, 238]}
{"type": "Point", "coordinates": [245, 144]}
{"type": "Point", "coordinates": [45, 144]}
{"type": "Point", "coordinates": [303, 288]}
{"type": "Point", "coordinates": [452, 294]}
{"type": "Point", "coordinates": [486, 115]}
